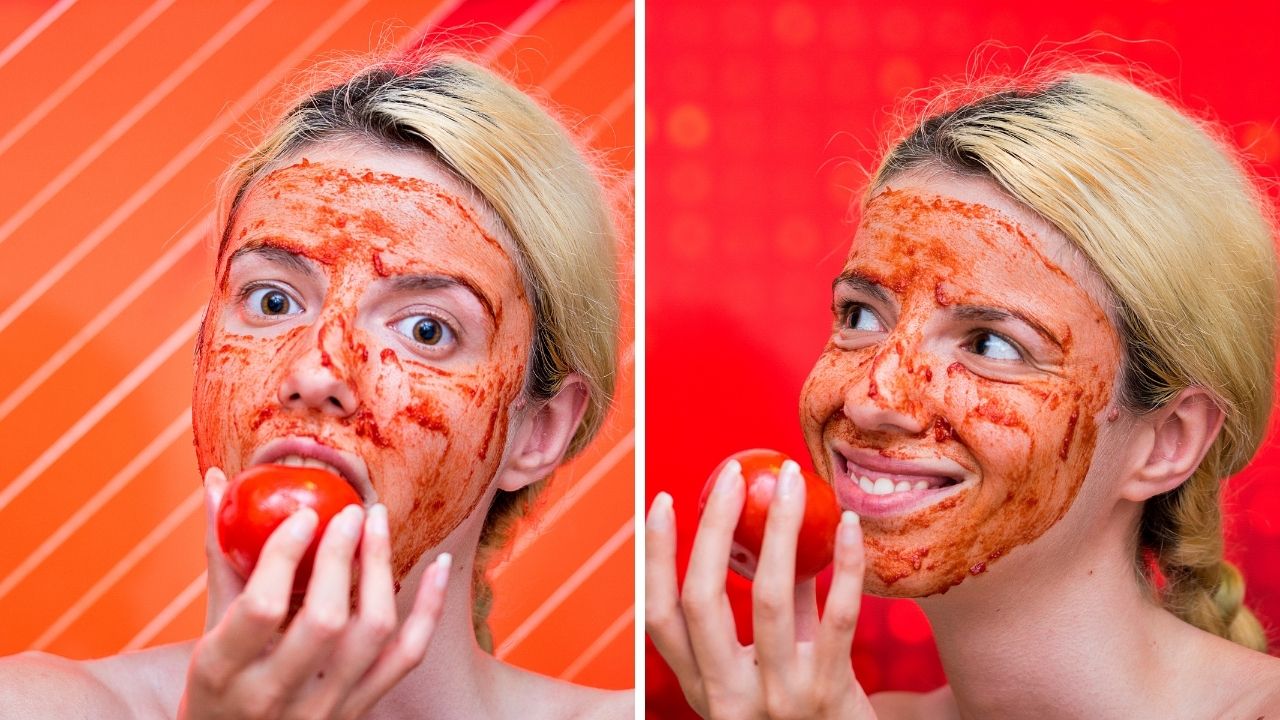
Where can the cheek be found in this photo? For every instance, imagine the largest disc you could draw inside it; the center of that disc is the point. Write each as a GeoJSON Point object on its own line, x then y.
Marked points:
{"type": "Point", "coordinates": [831, 379]}
{"type": "Point", "coordinates": [452, 430]}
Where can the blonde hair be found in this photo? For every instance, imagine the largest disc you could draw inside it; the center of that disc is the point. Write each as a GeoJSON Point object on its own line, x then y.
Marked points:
{"type": "Point", "coordinates": [546, 191]}
{"type": "Point", "coordinates": [1178, 229]}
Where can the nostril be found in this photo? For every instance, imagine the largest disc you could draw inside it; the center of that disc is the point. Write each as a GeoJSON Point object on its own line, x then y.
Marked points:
{"type": "Point", "coordinates": [336, 403]}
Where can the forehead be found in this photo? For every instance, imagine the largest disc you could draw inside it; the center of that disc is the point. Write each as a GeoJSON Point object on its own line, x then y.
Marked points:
{"type": "Point", "coordinates": [391, 199]}
{"type": "Point", "coordinates": [968, 227]}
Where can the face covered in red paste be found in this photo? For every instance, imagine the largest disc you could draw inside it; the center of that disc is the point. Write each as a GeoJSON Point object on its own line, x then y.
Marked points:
{"type": "Point", "coordinates": [365, 304]}
{"type": "Point", "coordinates": [969, 367]}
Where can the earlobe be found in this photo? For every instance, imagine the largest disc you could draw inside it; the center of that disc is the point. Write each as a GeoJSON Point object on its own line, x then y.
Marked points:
{"type": "Point", "coordinates": [542, 437]}
{"type": "Point", "coordinates": [1176, 438]}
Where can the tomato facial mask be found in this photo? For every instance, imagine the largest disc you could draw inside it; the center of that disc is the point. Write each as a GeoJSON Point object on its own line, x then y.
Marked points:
{"type": "Point", "coordinates": [375, 313]}
{"type": "Point", "coordinates": [955, 407]}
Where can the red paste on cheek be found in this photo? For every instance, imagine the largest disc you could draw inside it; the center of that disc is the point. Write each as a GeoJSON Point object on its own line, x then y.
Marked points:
{"type": "Point", "coordinates": [431, 431]}
{"type": "Point", "coordinates": [1030, 441]}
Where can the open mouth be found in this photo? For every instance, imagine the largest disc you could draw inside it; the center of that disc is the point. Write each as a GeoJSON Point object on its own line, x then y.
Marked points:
{"type": "Point", "coordinates": [872, 485]}
{"type": "Point", "coordinates": [305, 452]}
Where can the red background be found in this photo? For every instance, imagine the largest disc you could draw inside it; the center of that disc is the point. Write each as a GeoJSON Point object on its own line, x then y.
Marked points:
{"type": "Point", "coordinates": [754, 112]}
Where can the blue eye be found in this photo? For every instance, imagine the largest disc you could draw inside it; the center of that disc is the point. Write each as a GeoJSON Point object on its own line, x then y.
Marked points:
{"type": "Point", "coordinates": [993, 346]}
{"type": "Point", "coordinates": [860, 317]}
{"type": "Point", "coordinates": [425, 329]}
{"type": "Point", "coordinates": [271, 301]}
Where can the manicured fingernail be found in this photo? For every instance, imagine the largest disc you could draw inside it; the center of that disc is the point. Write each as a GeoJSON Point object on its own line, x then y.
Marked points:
{"type": "Point", "coordinates": [378, 520]}
{"type": "Point", "coordinates": [788, 479]}
{"type": "Point", "coordinates": [660, 512]}
{"type": "Point", "coordinates": [443, 562]}
{"type": "Point", "coordinates": [348, 520]}
{"type": "Point", "coordinates": [849, 527]}
{"type": "Point", "coordinates": [729, 477]}
{"type": "Point", "coordinates": [303, 523]}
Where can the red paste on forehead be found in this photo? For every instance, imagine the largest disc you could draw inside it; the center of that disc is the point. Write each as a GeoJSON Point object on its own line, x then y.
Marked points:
{"type": "Point", "coordinates": [432, 432]}
{"type": "Point", "coordinates": [1030, 441]}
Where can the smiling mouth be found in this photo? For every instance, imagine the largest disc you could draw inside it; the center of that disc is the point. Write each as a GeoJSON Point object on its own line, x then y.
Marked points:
{"type": "Point", "coordinates": [893, 487]}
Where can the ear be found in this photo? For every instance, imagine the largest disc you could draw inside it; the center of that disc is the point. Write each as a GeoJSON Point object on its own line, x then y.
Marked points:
{"type": "Point", "coordinates": [1174, 439]}
{"type": "Point", "coordinates": [543, 435]}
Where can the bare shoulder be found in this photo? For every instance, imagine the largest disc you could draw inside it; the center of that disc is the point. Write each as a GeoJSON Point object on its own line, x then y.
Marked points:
{"type": "Point", "coordinates": [122, 686]}
{"type": "Point", "coordinates": [34, 684]}
{"type": "Point", "coordinates": [562, 699]}
{"type": "Point", "coordinates": [930, 705]}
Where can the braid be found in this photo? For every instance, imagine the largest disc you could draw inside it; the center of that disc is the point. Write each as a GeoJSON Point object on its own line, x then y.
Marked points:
{"type": "Point", "coordinates": [1183, 528]}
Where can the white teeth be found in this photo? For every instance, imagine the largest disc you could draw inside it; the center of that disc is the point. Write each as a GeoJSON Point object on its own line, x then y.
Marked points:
{"type": "Point", "coordinates": [883, 486]}
{"type": "Point", "coordinates": [921, 485]}
{"type": "Point", "coordinates": [300, 461]}
{"type": "Point", "coordinates": [866, 486]}
{"type": "Point", "coordinates": [902, 486]}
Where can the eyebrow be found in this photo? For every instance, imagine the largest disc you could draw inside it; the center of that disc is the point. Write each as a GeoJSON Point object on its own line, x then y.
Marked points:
{"type": "Point", "coordinates": [978, 313]}
{"type": "Point", "coordinates": [276, 255]}
{"type": "Point", "coordinates": [857, 281]}
{"type": "Point", "coordinates": [420, 283]}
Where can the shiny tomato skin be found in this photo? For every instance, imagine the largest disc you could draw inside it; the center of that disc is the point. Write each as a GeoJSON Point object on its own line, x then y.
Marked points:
{"type": "Point", "coordinates": [815, 547]}
{"type": "Point", "coordinates": [257, 500]}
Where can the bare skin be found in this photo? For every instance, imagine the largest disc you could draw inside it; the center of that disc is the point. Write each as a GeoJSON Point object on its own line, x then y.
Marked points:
{"type": "Point", "coordinates": [343, 361]}
{"type": "Point", "coordinates": [1058, 627]}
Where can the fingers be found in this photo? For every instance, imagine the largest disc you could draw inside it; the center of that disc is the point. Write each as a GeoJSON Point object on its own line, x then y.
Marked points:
{"type": "Point", "coordinates": [664, 620]}
{"type": "Point", "coordinates": [410, 644]}
{"type": "Point", "coordinates": [224, 583]}
{"type": "Point", "coordinates": [773, 593]}
{"type": "Point", "coordinates": [257, 613]}
{"type": "Point", "coordinates": [375, 621]}
{"type": "Point", "coordinates": [844, 600]}
{"type": "Point", "coordinates": [319, 626]}
{"type": "Point", "coordinates": [708, 615]}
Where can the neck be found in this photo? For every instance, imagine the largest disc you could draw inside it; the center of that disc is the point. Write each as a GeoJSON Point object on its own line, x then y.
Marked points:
{"type": "Point", "coordinates": [1086, 642]}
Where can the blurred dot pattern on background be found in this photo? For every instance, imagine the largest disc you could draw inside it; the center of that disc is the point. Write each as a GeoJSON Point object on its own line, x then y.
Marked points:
{"type": "Point", "coordinates": [119, 116]}
{"type": "Point", "coordinates": [761, 117]}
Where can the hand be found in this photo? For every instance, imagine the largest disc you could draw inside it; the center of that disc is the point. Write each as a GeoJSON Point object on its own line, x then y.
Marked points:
{"type": "Point", "coordinates": [799, 666]}
{"type": "Point", "coordinates": [327, 663]}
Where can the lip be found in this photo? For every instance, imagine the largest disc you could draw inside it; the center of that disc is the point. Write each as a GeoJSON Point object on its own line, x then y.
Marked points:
{"type": "Point", "coordinates": [350, 466]}
{"type": "Point", "coordinates": [848, 462]}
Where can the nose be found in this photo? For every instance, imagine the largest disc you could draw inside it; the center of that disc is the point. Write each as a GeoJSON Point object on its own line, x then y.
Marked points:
{"type": "Point", "coordinates": [315, 382]}
{"type": "Point", "coordinates": [890, 397]}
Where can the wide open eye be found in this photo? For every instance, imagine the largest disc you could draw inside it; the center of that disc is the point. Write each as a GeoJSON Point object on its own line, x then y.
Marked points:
{"type": "Point", "coordinates": [993, 346]}
{"type": "Point", "coordinates": [860, 317]}
{"type": "Point", "coordinates": [425, 330]}
{"type": "Point", "coordinates": [270, 301]}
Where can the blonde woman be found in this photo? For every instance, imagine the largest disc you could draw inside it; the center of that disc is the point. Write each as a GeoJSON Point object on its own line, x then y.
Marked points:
{"type": "Point", "coordinates": [1054, 336]}
{"type": "Point", "coordinates": [415, 288]}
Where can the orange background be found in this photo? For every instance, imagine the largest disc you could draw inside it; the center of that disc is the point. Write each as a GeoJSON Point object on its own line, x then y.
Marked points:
{"type": "Point", "coordinates": [118, 118]}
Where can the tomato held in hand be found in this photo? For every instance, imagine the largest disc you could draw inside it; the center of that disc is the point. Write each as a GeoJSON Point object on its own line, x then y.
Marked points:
{"type": "Point", "coordinates": [816, 545]}
{"type": "Point", "coordinates": [262, 497]}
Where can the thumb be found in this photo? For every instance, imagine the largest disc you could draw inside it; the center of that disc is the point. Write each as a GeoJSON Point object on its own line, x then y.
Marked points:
{"type": "Point", "coordinates": [224, 583]}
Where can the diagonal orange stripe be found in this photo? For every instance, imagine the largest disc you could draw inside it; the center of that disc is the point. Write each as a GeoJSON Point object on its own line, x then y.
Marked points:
{"type": "Point", "coordinates": [518, 28]}
{"type": "Point", "coordinates": [593, 563]}
{"type": "Point", "coordinates": [126, 563]}
{"type": "Point", "coordinates": [69, 86]}
{"type": "Point", "coordinates": [135, 113]}
{"type": "Point", "coordinates": [165, 616]}
{"type": "Point", "coordinates": [587, 49]}
{"type": "Point", "coordinates": [615, 628]}
{"type": "Point", "coordinates": [32, 32]}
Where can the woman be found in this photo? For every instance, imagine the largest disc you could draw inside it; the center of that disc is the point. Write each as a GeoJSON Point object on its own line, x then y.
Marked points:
{"type": "Point", "coordinates": [1053, 337]}
{"type": "Point", "coordinates": [414, 288]}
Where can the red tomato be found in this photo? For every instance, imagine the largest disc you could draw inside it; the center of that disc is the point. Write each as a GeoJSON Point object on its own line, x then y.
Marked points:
{"type": "Point", "coordinates": [816, 545]}
{"type": "Point", "coordinates": [262, 497]}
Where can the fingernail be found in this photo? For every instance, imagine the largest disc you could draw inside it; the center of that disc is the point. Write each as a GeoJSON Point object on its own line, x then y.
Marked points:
{"type": "Point", "coordinates": [660, 512]}
{"type": "Point", "coordinates": [349, 520]}
{"type": "Point", "coordinates": [303, 523]}
{"type": "Point", "coordinates": [729, 477]}
{"type": "Point", "coordinates": [788, 480]}
{"type": "Point", "coordinates": [378, 520]}
{"type": "Point", "coordinates": [443, 562]}
{"type": "Point", "coordinates": [849, 527]}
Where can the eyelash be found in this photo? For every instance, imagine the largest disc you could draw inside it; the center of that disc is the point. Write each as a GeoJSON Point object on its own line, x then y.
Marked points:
{"type": "Point", "coordinates": [844, 308]}
{"type": "Point", "coordinates": [248, 290]}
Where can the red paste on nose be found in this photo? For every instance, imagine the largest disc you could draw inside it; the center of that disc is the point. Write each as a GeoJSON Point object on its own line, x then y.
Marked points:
{"type": "Point", "coordinates": [431, 430]}
{"type": "Point", "coordinates": [1029, 441]}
